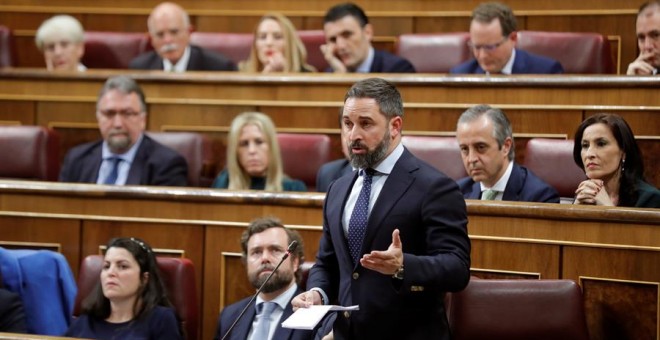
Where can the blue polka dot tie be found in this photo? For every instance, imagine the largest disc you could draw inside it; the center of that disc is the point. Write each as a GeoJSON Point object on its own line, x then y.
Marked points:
{"type": "Point", "coordinates": [357, 225]}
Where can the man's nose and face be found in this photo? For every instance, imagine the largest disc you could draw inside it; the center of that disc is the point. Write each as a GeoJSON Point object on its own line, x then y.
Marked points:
{"type": "Point", "coordinates": [121, 119]}
{"type": "Point", "coordinates": [648, 35]}
{"type": "Point", "coordinates": [350, 41]}
{"type": "Point", "coordinates": [169, 34]}
{"type": "Point", "coordinates": [491, 49]}
{"type": "Point", "coordinates": [264, 252]}
{"type": "Point", "coordinates": [483, 159]}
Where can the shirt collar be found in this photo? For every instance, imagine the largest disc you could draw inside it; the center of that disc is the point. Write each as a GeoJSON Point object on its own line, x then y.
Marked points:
{"type": "Point", "coordinates": [181, 65]}
{"type": "Point", "coordinates": [128, 156]}
{"type": "Point", "coordinates": [283, 299]}
{"type": "Point", "coordinates": [365, 67]}
{"type": "Point", "coordinates": [508, 67]}
{"type": "Point", "coordinates": [500, 185]}
{"type": "Point", "coordinates": [386, 165]}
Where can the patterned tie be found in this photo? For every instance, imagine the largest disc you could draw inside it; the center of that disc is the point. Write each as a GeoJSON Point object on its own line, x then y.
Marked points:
{"type": "Point", "coordinates": [112, 177]}
{"type": "Point", "coordinates": [489, 195]}
{"type": "Point", "coordinates": [357, 225]}
{"type": "Point", "coordinates": [263, 325]}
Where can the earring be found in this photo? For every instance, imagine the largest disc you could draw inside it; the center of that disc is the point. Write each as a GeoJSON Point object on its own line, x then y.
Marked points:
{"type": "Point", "coordinates": [623, 163]}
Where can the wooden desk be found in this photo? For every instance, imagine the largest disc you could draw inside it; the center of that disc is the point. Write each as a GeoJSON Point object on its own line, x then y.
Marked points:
{"type": "Point", "coordinates": [614, 253]}
{"type": "Point", "coordinates": [206, 102]}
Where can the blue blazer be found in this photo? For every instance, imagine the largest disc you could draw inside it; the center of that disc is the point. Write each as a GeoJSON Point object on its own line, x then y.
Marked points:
{"type": "Point", "coordinates": [330, 171]}
{"type": "Point", "coordinates": [429, 211]}
{"type": "Point", "coordinates": [242, 328]}
{"type": "Point", "coordinates": [200, 60]}
{"type": "Point", "coordinates": [525, 63]}
{"type": "Point", "coordinates": [46, 285]}
{"type": "Point", "coordinates": [154, 164]}
{"type": "Point", "coordinates": [523, 186]}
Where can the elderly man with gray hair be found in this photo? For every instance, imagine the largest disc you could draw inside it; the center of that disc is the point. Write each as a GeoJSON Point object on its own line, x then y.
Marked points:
{"type": "Point", "coordinates": [60, 39]}
{"type": "Point", "coordinates": [485, 137]}
{"type": "Point", "coordinates": [125, 155]}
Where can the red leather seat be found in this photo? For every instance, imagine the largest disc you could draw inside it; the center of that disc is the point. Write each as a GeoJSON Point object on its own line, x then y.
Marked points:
{"type": "Point", "coordinates": [113, 50]}
{"type": "Point", "coordinates": [7, 49]}
{"type": "Point", "coordinates": [552, 161]}
{"type": "Point", "coordinates": [434, 52]}
{"type": "Point", "coordinates": [303, 155]}
{"type": "Point", "coordinates": [29, 152]}
{"type": "Point", "coordinates": [195, 148]}
{"type": "Point", "coordinates": [178, 276]}
{"type": "Point", "coordinates": [441, 152]}
{"type": "Point", "coordinates": [579, 53]}
{"type": "Point", "coordinates": [235, 46]}
{"type": "Point", "coordinates": [517, 310]}
{"type": "Point", "coordinates": [313, 39]}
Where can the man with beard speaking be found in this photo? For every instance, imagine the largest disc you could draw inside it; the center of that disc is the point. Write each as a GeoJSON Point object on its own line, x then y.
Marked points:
{"type": "Point", "coordinates": [125, 155]}
{"type": "Point", "coordinates": [263, 244]}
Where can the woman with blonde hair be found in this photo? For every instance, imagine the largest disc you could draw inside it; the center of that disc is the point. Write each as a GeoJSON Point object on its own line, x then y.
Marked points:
{"type": "Point", "coordinates": [276, 47]}
{"type": "Point", "coordinates": [253, 157]}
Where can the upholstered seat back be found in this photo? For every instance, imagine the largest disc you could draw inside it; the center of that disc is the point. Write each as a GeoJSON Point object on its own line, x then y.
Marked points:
{"type": "Point", "coordinates": [313, 39]}
{"type": "Point", "coordinates": [441, 152]}
{"type": "Point", "coordinates": [434, 52]}
{"type": "Point", "coordinates": [303, 155]}
{"type": "Point", "coordinates": [194, 147]}
{"type": "Point", "coordinates": [7, 49]}
{"type": "Point", "coordinates": [235, 46]}
{"type": "Point", "coordinates": [113, 50]}
{"type": "Point", "coordinates": [518, 310]}
{"type": "Point", "coordinates": [552, 161]}
{"type": "Point", "coordinates": [178, 275]}
{"type": "Point", "coordinates": [29, 152]}
{"type": "Point", "coordinates": [580, 53]}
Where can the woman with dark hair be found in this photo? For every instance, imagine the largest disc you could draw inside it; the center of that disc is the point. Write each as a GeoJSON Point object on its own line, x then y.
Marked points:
{"type": "Point", "coordinates": [606, 150]}
{"type": "Point", "coordinates": [130, 300]}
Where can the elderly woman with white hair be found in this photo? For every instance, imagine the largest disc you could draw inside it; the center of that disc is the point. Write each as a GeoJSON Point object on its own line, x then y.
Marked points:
{"type": "Point", "coordinates": [60, 38]}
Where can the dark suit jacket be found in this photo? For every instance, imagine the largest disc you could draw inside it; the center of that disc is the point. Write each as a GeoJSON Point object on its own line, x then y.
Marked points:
{"type": "Point", "coordinates": [429, 211]}
{"type": "Point", "coordinates": [525, 63]}
{"type": "Point", "coordinates": [242, 328]}
{"type": "Point", "coordinates": [12, 315]}
{"type": "Point", "coordinates": [200, 60]}
{"type": "Point", "coordinates": [385, 62]}
{"type": "Point", "coordinates": [523, 186]}
{"type": "Point", "coordinates": [330, 171]}
{"type": "Point", "coordinates": [154, 164]}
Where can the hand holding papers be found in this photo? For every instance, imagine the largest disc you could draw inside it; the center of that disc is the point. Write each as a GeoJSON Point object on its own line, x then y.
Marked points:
{"type": "Point", "coordinates": [307, 318]}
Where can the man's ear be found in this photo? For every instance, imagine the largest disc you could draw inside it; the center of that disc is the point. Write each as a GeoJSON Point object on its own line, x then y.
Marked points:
{"type": "Point", "coordinates": [507, 145]}
{"type": "Point", "coordinates": [396, 124]}
{"type": "Point", "coordinates": [368, 31]}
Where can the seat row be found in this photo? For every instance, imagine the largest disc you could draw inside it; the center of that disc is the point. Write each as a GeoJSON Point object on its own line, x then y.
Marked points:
{"type": "Point", "coordinates": [35, 155]}
{"type": "Point", "coordinates": [579, 53]}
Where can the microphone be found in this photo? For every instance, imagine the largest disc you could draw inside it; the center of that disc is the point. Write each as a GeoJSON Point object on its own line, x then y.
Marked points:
{"type": "Point", "coordinates": [291, 247]}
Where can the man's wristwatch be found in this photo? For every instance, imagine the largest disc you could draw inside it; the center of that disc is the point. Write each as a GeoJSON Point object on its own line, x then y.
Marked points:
{"type": "Point", "coordinates": [399, 273]}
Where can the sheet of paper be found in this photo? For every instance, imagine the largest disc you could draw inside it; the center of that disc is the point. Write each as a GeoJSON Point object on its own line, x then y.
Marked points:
{"type": "Point", "coordinates": [307, 318]}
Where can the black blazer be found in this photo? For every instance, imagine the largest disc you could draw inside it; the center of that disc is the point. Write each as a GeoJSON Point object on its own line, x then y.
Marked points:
{"type": "Point", "coordinates": [385, 62]}
{"type": "Point", "coordinates": [12, 314]}
{"type": "Point", "coordinates": [154, 164]}
{"type": "Point", "coordinates": [429, 211]}
{"type": "Point", "coordinates": [200, 60]}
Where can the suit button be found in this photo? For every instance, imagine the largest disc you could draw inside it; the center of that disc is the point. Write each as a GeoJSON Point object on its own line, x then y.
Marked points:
{"type": "Point", "coordinates": [347, 314]}
{"type": "Point", "coordinates": [356, 276]}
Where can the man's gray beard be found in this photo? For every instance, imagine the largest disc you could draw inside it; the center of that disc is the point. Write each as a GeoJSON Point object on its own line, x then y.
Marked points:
{"type": "Point", "coordinates": [277, 282]}
{"type": "Point", "coordinates": [119, 145]}
{"type": "Point", "coordinates": [371, 158]}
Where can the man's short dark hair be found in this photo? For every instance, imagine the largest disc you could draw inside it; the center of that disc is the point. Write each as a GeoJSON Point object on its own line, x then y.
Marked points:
{"type": "Point", "coordinates": [261, 224]}
{"type": "Point", "coordinates": [385, 93]}
{"type": "Point", "coordinates": [489, 11]}
{"type": "Point", "coordinates": [339, 11]}
{"type": "Point", "coordinates": [125, 85]}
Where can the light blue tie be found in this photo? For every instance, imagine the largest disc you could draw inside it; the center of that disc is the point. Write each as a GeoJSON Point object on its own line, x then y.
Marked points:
{"type": "Point", "coordinates": [114, 173]}
{"type": "Point", "coordinates": [357, 225]}
{"type": "Point", "coordinates": [264, 310]}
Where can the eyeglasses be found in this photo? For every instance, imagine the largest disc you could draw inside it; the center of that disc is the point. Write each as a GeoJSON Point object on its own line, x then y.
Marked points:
{"type": "Point", "coordinates": [487, 48]}
{"type": "Point", "coordinates": [110, 114]}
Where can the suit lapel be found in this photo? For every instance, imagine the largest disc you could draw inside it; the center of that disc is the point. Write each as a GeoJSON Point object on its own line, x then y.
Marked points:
{"type": "Point", "coordinates": [90, 169]}
{"type": "Point", "coordinates": [514, 185]}
{"type": "Point", "coordinates": [135, 172]}
{"type": "Point", "coordinates": [475, 193]}
{"type": "Point", "coordinates": [243, 327]}
{"type": "Point", "coordinates": [281, 332]}
{"type": "Point", "coordinates": [336, 212]}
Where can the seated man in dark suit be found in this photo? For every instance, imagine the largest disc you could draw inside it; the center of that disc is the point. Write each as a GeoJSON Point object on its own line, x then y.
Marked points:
{"type": "Point", "coordinates": [125, 155]}
{"type": "Point", "coordinates": [169, 28]}
{"type": "Point", "coordinates": [263, 244]}
{"type": "Point", "coordinates": [348, 35]}
{"type": "Point", "coordinates": [486, 140]}
{"type": "Point", "coordinates": [493, 40]}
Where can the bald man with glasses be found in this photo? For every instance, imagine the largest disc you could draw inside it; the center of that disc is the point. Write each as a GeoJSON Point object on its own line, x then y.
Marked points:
{"type": "Point", "coordinates": [125, 155]}
{"type": "Point", "coordinates": [493, 40]}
